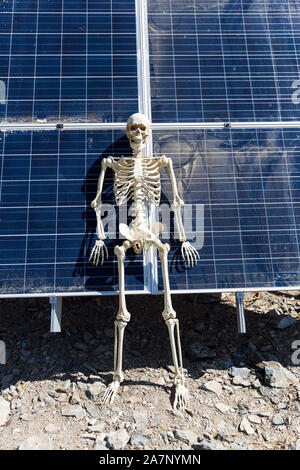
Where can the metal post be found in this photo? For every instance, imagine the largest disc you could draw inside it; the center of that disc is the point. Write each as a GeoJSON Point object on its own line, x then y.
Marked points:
{"type": "Point", "coordinates": [240, 312]}
{"type": "Point", "coordinates": [2, 352]}
{"type": "Point", "coordinates": [56, 303]}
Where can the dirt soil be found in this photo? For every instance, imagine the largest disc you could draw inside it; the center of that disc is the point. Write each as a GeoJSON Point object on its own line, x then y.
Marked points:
{"type": "Point", "coordinates": [54, 382]}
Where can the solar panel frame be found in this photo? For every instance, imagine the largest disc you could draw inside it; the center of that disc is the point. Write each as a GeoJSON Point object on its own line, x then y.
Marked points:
{"type": "Point", "coordinates": [144, 97]}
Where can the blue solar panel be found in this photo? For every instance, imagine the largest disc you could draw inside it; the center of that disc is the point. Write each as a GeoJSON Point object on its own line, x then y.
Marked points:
{"type": "Point", "coordinates": [75, 61]}
{"type": "Point", "coordinates": [47, 227]}
{"type": "Point", "coordinates": [243, 189]}
{"type": "Point", "coordinates": [242, 186]}
{"type": "Point", "coordinates": [224, 61]}
{"type": "Point", "coordinates": [70, 60]}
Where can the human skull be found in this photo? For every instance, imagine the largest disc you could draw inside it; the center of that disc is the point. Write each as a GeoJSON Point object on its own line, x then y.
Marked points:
{"type": "Point", "coordinates": [137, 131]}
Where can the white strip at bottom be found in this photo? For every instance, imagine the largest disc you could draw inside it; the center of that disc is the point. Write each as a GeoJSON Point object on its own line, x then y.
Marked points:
{"type": "Point", "coordinates": [156, 292]}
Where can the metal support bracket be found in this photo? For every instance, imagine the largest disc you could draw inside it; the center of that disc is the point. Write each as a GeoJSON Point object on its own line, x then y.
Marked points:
{"type": "Point", "coordinates": [55, 325]}
{"type": "Point", "coordinates": [240, 312]}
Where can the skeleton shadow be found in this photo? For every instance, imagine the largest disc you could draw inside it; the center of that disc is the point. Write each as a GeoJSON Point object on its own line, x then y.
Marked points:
{"type": "Point", "coordinates": [176, 262]}
{"type": "Point", "coordinates": [102, 277]}
{"type": "Point", "coordinates": [189, 164]}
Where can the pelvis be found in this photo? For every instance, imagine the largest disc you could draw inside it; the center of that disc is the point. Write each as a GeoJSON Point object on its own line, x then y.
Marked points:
{"type": "Point", "coordinates": [140, 235]}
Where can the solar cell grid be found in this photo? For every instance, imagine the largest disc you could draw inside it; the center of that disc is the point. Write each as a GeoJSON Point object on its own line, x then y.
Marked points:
{"type": "Point", "coordinates": [247, 182]}
{"type": "Point", "coordinates": [211, 61]}
{"type": "Point", "coordinates": [224, 61]}
{"type": "Point", "coordinates": [47, 226]}
{"type": "Point", "coordinates": [68, 60]}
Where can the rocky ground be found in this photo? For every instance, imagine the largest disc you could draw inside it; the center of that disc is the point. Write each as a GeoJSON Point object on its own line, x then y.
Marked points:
{"type": "Point", "coordinates": [244, 389]}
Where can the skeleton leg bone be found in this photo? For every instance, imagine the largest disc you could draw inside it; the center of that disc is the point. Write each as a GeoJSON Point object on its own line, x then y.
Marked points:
{"type": "Point", "coordinates": [123, 317]}
{"type": "Point", "coordinates": [181, 392]}
{"type": "Point", "coordinates": [169, 315]}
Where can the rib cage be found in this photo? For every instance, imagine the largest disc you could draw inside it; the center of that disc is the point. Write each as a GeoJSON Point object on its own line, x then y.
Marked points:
{"type": "Point", "coordinates": [137, 180]}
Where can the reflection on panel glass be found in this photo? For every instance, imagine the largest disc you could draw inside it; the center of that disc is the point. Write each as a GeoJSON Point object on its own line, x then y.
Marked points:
{"type": "Point", "coordinates": [47, 227]}
{"type": "Point", "coordinates": [242, 207]}
{"type": "Point", "coordinates": [67, 60]}
{"type": "Point", "coordinates": [224, 61]}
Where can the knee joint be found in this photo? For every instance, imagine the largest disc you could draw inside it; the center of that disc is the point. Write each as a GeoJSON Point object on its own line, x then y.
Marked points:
{"type": "Point", "coordinates": [123, 316]}
{"type": "Point", "coordinates": [121, 323]}
{"type": "Point", "coordinates": [170, 319]}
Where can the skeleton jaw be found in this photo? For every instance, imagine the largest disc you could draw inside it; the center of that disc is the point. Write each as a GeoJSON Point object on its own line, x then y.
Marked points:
{"type": "Point", "coordinates": [137, 146]}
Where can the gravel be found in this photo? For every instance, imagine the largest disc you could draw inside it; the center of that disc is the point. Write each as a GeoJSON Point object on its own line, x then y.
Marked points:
{"type": "Point", "coordinates": [244, 390]}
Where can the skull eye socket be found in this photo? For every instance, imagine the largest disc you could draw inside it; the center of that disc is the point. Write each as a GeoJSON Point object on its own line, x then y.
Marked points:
{"type": "Point", "coordinates": [141, 127]}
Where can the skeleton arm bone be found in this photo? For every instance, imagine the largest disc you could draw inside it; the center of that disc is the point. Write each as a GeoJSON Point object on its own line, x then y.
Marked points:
{"type": "Point", "coordinates": [100, 250]}
{"type": "Point", "coordinates": [189, 254]}
{"type": "Point", "coordinates": [106, 162]}
{"type": "Point", "coordinates": [177, 201]}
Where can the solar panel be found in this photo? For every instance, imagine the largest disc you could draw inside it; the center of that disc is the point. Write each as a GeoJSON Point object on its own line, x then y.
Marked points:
{"type": "Point", "coordinates": [47, 225]}
{"type": "Point", "coordinates": [242, 190]}
{"type": "Point", "coordinates": [67, 60]}
{"type": "Point", "coordinates": [211, 62]}
{"type": "Point", "coordinates": [224, 60]}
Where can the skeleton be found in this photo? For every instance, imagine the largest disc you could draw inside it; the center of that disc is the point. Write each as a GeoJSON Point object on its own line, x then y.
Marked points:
{"type": "Point", "coordinates": [137, 179]}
